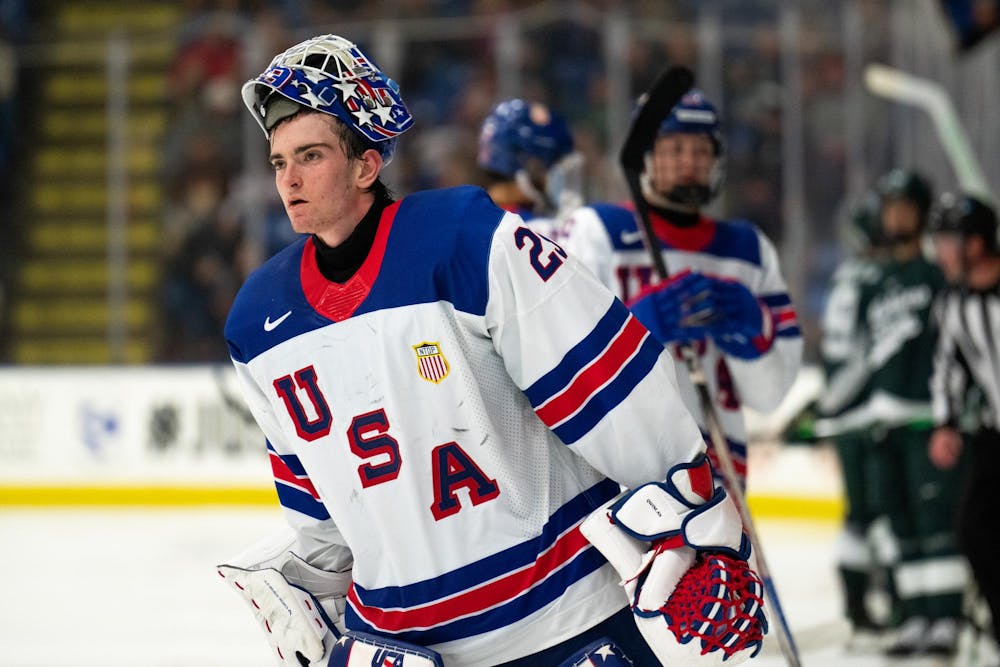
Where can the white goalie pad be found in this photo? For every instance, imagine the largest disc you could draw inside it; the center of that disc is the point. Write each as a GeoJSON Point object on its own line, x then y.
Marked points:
{"type": "Point", "coordinates": [297, 606]}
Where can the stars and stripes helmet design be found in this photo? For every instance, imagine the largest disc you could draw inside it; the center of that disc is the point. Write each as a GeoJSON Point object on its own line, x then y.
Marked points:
{"type": "Point", "coordinates": [332, 75]}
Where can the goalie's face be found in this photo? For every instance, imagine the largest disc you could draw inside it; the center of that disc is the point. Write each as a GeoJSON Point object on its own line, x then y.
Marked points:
{"type": "Point", "coordinates": [324, 191]}
{"type": "Point", "coordinates": [682, 160]}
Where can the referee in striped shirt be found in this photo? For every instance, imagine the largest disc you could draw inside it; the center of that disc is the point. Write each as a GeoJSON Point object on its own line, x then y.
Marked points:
{"type": "Point", "coordinates": [965, 236]}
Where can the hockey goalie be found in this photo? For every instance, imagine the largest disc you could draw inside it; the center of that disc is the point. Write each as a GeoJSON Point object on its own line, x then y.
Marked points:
{"type": "Point", "coordinates": [452, 407]}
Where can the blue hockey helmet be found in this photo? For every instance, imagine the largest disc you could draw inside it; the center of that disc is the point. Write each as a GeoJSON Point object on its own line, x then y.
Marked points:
{"type": "Point", "coordinates": [332, 75]}
{"type": "Point", "coordinates": [516, 132]}
{"type": "Point", "coordinates": [693, 115]}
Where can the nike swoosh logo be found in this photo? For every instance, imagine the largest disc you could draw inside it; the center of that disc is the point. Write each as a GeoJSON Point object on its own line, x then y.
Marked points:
{"type": "Point", "coordinates": [628, 238]}
{"type": "Point", "coordinates": [271, 326]}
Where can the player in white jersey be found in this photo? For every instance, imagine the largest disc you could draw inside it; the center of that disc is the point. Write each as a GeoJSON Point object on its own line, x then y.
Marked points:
{"type": "Point", "coordinates": [451, 404]}
{"type": "Point", "coordinates": [526, 154]}
{"type": "Point", "coordinates": [726, 295]}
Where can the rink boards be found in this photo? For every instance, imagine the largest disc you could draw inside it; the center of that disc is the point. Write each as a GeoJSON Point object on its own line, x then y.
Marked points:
{"type": "Point", "coordinates": [176, 436]}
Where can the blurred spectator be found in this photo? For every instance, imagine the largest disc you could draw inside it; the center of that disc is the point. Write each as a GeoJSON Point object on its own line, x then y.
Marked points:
{"type": "Point", "coordinates": [203, 238]}
{"type": "Point", "coordinates": [452, 81]}
{"type": "Point", "coordinates": [203, 276]}
{"type": "Point", "coordinates": [8, 96]}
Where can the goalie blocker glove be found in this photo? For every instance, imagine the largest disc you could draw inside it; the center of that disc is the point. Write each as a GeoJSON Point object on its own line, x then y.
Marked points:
{"type": "Point", "coordinates": [680, 550]}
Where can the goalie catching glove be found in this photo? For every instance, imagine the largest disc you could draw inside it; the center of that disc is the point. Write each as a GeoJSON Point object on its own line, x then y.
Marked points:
{"type": "Point", "coordinates": [680, 550]}
{"type": "Point", "coordinates": [297, 605]}
{"type": "Point", "coordinates": [300, 609]}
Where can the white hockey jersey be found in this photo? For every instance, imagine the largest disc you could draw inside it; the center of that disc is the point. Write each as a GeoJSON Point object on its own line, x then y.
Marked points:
{"type": "Point", "coordinates": [451, 414]}
{"type": "Point", "coordinates": [607, 239]}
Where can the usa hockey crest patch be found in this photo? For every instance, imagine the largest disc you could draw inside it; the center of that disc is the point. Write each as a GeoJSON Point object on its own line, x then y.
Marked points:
{"type": "Point", "coordinates": [431, 363]}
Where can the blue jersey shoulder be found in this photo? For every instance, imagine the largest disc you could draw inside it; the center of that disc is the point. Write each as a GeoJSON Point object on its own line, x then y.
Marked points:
{"type": "Point", "coordinates": [737, 239]}
{"type": "Point", "coordinates": [621, 225]}
{"type": "Point", "coordinates": [259, 310]}
{"type": "Point", "coordinates": [438, 250]}
{"type": "Point", "coordinates": [733, 239]}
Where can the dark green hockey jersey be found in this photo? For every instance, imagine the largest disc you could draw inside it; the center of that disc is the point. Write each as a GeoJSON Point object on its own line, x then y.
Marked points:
{"type": "Point", "coordinates": [844, 340]}
{"type": "Point", "coordinates": [895, 311]}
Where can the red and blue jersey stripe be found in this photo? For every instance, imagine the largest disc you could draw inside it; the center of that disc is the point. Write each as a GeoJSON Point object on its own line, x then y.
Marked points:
{"type": "Point", "coordinates": [491, 593]}
{"type": "Point", "coordinates": [595, 375]}
{"type": "Point", "coordinates": [295, 490]}
{"type": "Point", "coordinates": [786, 323]}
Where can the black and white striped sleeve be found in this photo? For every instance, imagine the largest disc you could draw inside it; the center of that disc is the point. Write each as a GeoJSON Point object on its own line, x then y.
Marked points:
{"type": "Point", "coordinates": [950, 377]}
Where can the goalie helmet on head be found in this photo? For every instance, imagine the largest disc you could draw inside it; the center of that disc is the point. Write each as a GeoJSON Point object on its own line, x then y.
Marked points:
{"type": "Point", "coordinates": [694, 114]}
{"type": "Point", "coordinates": [331, 75]}
{"type": "Point", "coordinates": [532, 145]}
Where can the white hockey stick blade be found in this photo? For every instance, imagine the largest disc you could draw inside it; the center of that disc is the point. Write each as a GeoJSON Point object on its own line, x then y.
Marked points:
{"type": "Point", "coordinates": [933, 98]}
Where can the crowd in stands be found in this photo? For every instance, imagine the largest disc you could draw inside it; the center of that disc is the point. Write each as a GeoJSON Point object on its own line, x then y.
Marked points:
{"type": "Point", "coordinates": [215, 178]}
{"type": "Point", "coordinates": [13, 20]}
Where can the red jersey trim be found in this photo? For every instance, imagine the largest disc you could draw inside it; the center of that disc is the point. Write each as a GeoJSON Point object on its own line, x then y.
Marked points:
{"type": "Point", "coordinates": [601, 371]}
{"type": "Point", "coordinates": [693, 238]}
{"type": "Point", "coordinates": [478, 599]}
{"type": "Point", "coordinates": [337, 301]}
{"type": "Point", "coordinates": [283, 473]}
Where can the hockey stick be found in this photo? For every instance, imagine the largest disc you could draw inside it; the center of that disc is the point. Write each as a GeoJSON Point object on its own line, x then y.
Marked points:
{"type": "Point", "coordinates": [905, 88]}
{"type": "Point", "coordinates": [665, 93]}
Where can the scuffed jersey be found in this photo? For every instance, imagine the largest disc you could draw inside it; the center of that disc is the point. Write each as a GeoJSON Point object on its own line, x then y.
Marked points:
{"type": "Point", "coordinates": [606, 238]}
{"type": "Point", "coordinates": [450, 414]}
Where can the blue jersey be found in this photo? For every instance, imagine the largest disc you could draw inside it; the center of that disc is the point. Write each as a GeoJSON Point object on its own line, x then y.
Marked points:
{"type": "Point", "coordinates": [448, 416]}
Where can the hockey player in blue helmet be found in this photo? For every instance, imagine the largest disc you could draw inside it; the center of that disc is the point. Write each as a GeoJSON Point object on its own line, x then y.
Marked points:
{"type": "Point", "coordinates": [725, 296]}
{"type": "Point", "coordinates": [448, 400]}
{"type": "Point", "coordinates": [527, 158]}
{"type": "Point", "coordinates": [684, 169]}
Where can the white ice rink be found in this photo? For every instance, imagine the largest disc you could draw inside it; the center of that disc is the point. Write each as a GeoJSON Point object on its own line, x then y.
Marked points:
{"type": "Point", "coordinates": [137, 588]}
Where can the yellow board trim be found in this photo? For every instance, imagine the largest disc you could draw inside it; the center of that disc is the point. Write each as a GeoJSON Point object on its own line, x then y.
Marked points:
{"type": "Point", "coordinates": [156, 496]}
{"type": "Point", "coordinates": [796, 507]}
{"type": "Point", "coordinates": [764, 506]}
